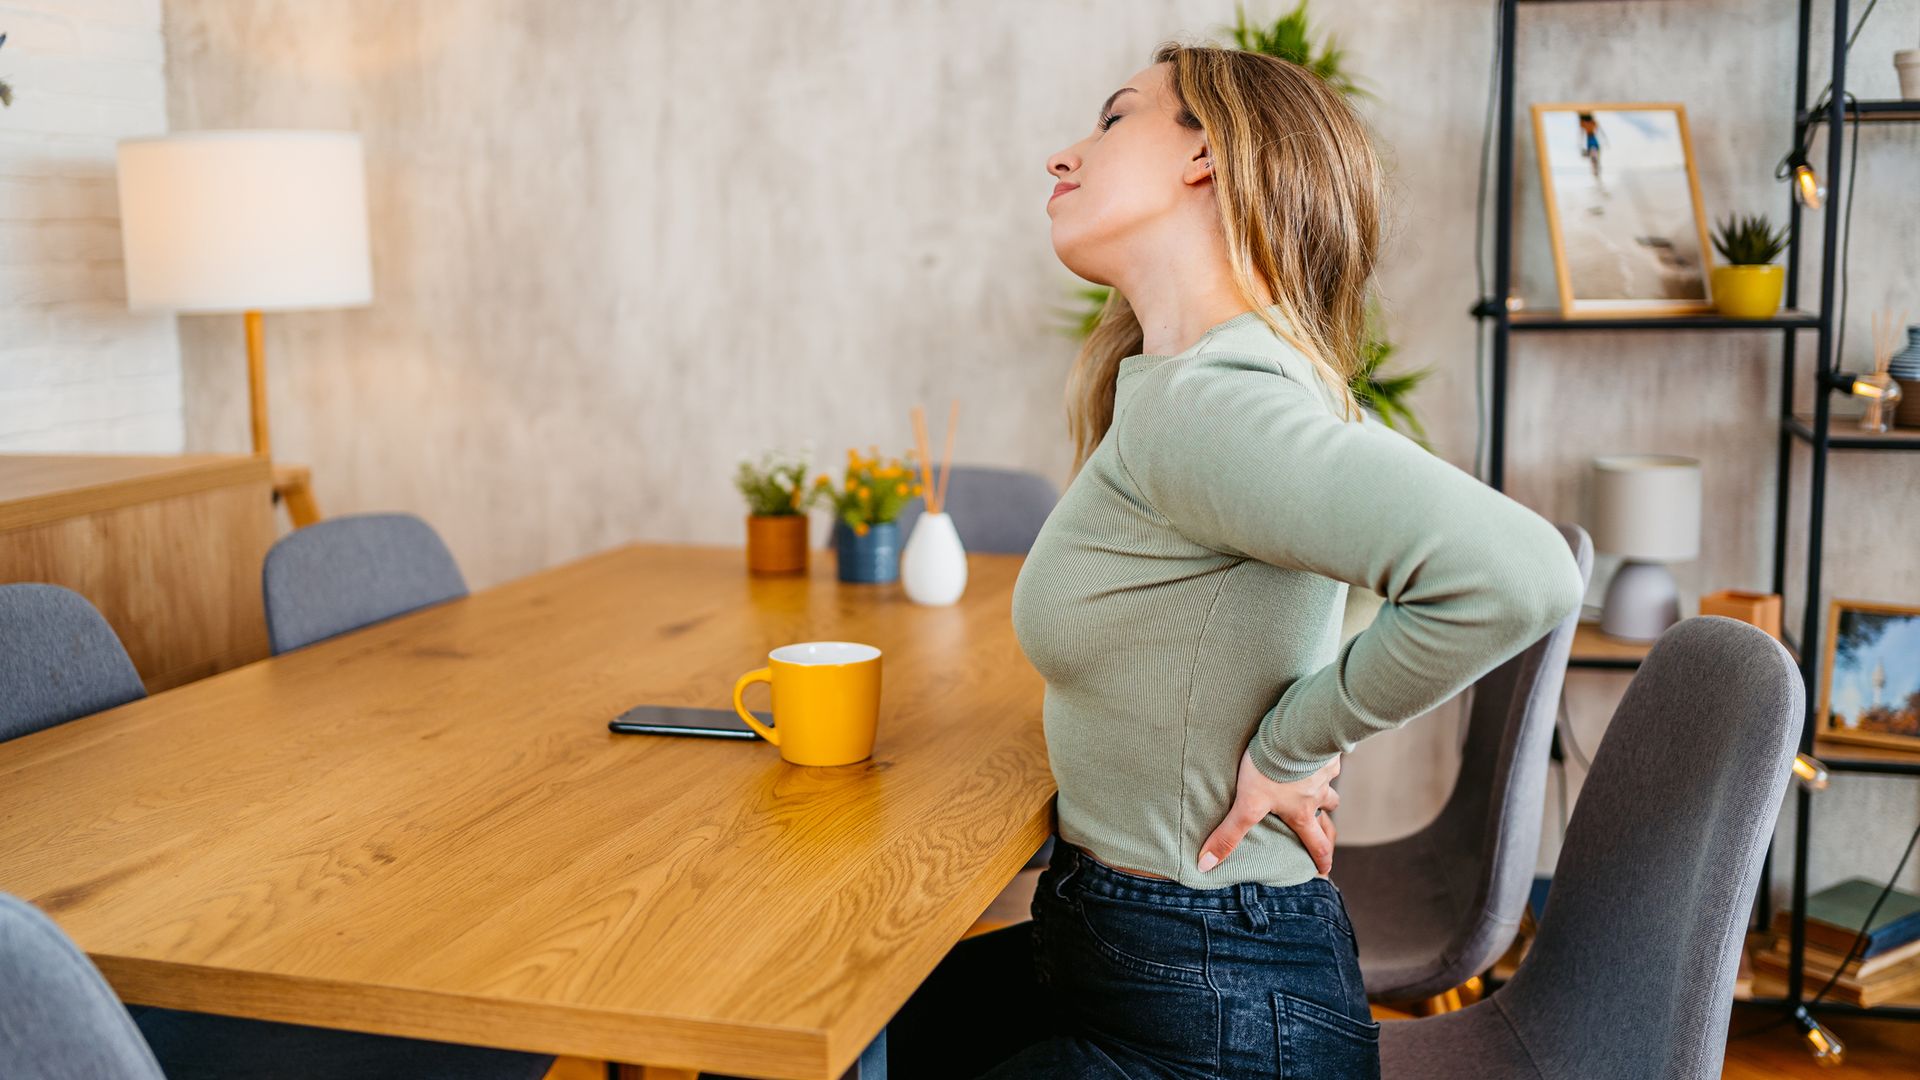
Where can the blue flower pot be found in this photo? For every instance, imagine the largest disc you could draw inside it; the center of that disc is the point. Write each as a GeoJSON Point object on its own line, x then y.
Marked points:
{"type": "Point", "coordinates": [871, 559]}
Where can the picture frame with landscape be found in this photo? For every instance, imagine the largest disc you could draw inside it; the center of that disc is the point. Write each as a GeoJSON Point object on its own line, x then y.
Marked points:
{"type": "Point", "coordinates": [1870, 677]}
{"type": "Point", "coordinates": [1628, 230]}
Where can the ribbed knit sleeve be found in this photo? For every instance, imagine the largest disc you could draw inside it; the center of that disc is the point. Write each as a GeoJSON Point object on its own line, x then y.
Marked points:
{"type": "Point", "coordinates": [1241, 458]}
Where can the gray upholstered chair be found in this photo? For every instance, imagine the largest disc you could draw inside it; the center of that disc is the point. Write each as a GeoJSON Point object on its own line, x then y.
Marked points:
{"type": "Point", "coordinates": [996, 511]}
{"type": "Point", "coordinates": [352, 571]}
{"type": "Point", "coordinates": [1436, 908]}
{"type": "Point", "coordinates": [59, 660]}
{"type": "Point", "coordinates": [59, 1020]}
{"type": "Point", "coordinates": [1632, 972]}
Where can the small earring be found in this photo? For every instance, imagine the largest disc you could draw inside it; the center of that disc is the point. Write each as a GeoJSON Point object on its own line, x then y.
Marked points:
{"type": "Point", "coordinates": [1206, 163]}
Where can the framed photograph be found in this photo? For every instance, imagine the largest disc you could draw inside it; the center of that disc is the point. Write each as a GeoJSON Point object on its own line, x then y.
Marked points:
{"type": "Point", "coordinates": [1623, 209]}
{"type": "Point", "coordinates": [1870, 683]}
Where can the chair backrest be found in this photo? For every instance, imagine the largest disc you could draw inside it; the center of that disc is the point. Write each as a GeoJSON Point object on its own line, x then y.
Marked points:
{"type": "Point", "coordinates": [352, 571]}
{"type": "Point", "coordinates": [1493, 815]}
{"type": "Point", "coordinates": [59, 1020]}
{"type": "Point", "coordinates": [59, 660]}
{"type": "Point", "coordinates": [1632, 974]}
{"type": "Point", "coordinates": [995, 511]}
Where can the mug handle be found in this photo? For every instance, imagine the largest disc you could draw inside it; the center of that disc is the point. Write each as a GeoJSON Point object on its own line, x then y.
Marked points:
{"type": "Point", "coordinates": [764, 675]}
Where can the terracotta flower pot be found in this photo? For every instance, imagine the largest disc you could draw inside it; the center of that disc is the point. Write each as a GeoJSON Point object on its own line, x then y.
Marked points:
{"type": "Point", "coordinates": [777, 543]}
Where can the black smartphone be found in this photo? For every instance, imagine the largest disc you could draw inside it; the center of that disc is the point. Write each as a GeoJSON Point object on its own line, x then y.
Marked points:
{"type": "Point", "coordinates": [686, 720]}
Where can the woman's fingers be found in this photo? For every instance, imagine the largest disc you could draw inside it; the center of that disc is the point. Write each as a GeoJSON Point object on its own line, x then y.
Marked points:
{"type": "Point", "coordinates": [1318, 844]}
{"type": "Point", "coordinates": [1241, 819]}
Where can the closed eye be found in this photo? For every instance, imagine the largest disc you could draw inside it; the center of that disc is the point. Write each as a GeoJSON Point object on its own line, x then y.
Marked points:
{"type": "Point", "coordinates": [1108, 120]}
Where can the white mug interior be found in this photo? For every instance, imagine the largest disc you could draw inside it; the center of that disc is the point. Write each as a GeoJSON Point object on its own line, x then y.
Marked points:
{"type": "Point", "coordinates": [824, 652]}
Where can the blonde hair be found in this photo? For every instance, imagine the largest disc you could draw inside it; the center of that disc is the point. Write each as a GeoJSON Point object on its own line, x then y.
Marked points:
{"type": "Point", "coordinates": [1299, 191]}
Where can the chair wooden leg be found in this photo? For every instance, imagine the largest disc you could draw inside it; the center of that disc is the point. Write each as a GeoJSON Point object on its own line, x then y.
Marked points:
{"type": "Point", "coordinates": [294, 486]}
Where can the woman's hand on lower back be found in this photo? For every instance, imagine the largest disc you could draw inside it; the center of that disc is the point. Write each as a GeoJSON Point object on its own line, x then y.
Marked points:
{"type": "Point", "coordinates": [1298, 804]}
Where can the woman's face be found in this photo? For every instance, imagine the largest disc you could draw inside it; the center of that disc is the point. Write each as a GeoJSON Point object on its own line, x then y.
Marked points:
{"type": "Point", "coordinates": [1135, 180]}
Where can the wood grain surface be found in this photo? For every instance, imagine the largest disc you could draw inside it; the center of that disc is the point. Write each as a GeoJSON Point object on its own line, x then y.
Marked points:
{"type": "Point", "coordinates": [168, 547]}
{"type": "Point", "coordinates": [424, 828]}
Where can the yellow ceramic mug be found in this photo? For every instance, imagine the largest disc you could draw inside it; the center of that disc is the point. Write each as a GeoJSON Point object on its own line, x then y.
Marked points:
{"type": "Point", "coordinates": [826, 701]}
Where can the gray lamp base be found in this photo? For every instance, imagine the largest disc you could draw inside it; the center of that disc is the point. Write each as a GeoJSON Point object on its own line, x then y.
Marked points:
{"type": "Point", "coordinates": [1642, 601]}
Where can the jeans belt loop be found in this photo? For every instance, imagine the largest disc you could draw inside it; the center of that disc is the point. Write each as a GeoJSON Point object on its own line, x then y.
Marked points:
{"type": "Point", "coordinates": [1072, 869]}
{"type": "Point", "coordinates": [1250, 903]}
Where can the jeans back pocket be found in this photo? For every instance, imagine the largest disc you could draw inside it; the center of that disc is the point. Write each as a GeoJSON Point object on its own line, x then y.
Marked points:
{"type": "Point", "coordinates": [1322, 1043]}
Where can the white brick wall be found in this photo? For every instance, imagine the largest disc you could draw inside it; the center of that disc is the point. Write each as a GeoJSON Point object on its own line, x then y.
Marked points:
{"type": "Point", "coordinates": [78, 371]}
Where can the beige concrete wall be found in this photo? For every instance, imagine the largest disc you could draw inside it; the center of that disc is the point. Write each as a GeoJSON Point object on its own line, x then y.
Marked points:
{"type": "Point", "coordinates": [619, 244]}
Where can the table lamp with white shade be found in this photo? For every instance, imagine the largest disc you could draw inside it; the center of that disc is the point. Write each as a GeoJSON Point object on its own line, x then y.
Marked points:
{"type": "Point", "coordinates": [1646, 509]}
{"type": "Point", "coordinates": [247, 222]}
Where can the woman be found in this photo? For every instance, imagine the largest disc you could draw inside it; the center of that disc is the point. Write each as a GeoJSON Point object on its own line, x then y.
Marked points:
{"type": "Point", "coordinates": [1184, 601]}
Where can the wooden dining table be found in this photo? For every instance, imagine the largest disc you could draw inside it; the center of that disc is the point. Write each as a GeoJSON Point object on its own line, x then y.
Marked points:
{"type": "Point", "coordinates": [424, 827]}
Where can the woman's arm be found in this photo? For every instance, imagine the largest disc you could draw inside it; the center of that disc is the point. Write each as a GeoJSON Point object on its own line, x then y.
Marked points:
{"type": "Point", "coordinates": [1243, 459]}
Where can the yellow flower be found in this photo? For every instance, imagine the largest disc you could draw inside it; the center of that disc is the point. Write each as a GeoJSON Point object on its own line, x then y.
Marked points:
{"type": "Point", "coordinates": [860, 529]}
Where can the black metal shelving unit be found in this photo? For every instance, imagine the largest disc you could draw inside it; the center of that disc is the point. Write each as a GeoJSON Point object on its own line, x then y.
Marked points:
{"type": "Point", "coordinates": [1814, 430]}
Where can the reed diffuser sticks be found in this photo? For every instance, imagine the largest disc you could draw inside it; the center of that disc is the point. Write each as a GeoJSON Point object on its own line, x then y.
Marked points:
{"type": "Point", "coordinates": [936, 493]}
{"type": "Point", "coordinates": [1886, 339]}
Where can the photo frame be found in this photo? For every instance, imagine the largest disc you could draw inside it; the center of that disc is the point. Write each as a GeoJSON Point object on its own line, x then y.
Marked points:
{"type": "Point", "coordinates": [1624, 213]}
{"type": "Point", "coordinates": [1870, 676]}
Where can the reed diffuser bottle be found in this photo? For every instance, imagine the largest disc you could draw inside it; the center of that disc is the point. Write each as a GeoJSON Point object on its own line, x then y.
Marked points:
{"type": "Point", "coordinates": [933, 567]}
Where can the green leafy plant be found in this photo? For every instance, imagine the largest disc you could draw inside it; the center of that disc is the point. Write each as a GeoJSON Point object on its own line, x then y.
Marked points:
{"type": "Point", "coordinates": [776, 484]}
{"type": "Point", "coordinates": [6, 92]}
{"type": "Point", "coordinates": [1387, 395]}
{"type": "Point", "coordinates": [873, 490]}
{"type": "Point", "coordinates": [1290, 37]}
{"type": "Point", "coordinates": [1750, 240]}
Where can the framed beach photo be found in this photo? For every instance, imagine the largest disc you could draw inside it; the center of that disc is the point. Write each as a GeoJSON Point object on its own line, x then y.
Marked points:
{"type": "Point", "coordinates": [1870, 682]}
{"type": "Point", "coordinates": [1623, 209]}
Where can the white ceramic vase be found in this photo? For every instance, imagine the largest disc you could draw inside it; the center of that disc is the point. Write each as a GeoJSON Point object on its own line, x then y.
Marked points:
{"type": "Point", "coordinates": [933, 565]}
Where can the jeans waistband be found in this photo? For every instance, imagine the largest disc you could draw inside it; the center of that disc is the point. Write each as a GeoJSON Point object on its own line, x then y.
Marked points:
{"type": "Point", "coordinates": [1074, 868]}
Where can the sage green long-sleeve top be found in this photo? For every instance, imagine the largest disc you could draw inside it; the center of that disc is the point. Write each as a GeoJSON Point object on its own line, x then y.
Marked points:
{"type": "Point", "coordinates": [1184, 599]}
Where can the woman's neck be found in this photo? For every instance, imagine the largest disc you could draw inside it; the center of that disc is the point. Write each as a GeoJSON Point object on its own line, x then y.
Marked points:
{"type": "Point", "coordinates": [1178, 300]}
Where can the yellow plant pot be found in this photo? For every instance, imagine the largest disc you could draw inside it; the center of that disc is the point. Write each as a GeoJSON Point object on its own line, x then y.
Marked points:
{"type": "Point", "coordinates": [1748, 292]}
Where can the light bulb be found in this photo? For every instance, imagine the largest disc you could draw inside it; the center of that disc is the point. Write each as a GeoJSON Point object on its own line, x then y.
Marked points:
{"type": "Point", "coordinates": [1826, 1047]}
{"type": "Point", "coordinates": [1807, 187]}
{"type": "Point", "coordinates": [1810, 772]}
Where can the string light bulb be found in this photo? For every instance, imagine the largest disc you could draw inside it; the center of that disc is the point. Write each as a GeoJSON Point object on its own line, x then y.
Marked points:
{"type": "Point", "coordinates": [1826, 1047]}
{"type": "Point", "coordinates": [1807, 187]}
{"type": "Point", "coordinates": [1811, 773]}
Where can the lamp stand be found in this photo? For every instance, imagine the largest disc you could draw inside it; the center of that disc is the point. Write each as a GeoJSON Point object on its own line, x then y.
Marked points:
{"type": "Point", "coordinates": [1642, 601]}
{"type": "Point", "coordinates": [292, 484]}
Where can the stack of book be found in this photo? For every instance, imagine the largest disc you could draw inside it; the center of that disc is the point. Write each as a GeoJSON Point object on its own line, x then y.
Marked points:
{"type": "Point", "coordinates": [1885, 968]}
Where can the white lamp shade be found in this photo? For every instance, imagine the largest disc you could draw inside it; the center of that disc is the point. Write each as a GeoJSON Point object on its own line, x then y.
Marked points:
{"type": "Point", "coordinates": [245, 221]}
{"type": "Point", "coordinates": [1646, 507]}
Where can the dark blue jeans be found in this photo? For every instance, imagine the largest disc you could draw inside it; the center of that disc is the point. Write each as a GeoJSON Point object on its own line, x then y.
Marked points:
{"type": "Point", "coordinates": [1125, 976]}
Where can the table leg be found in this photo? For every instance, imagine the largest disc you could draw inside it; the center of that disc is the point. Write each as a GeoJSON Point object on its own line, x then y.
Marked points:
{"type": "Point", "coordinates": [873, 1061]}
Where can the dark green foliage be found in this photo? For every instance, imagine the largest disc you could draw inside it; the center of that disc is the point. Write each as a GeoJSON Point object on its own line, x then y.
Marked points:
{"type": "Point", "coordinates": [1290, 37]}
{"type": "Point", "coordinates": [1749, 241]}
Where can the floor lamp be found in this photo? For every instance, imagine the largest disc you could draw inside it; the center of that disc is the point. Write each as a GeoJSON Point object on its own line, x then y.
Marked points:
{"type": "Point", "coordinates": [218, 222]}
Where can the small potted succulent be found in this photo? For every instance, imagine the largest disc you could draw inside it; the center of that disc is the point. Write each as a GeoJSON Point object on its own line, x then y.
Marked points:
{"type": "Point", "coordinates": [866, 534]}
{"type": "Point", "coordinates": [1749, 286]}
{"type": "Point", "coordinates": [778, 498]}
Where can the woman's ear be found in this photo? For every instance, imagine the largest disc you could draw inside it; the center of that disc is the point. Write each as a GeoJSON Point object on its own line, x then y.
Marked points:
{"type": "Point", "coordinates": [1199, 167]}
